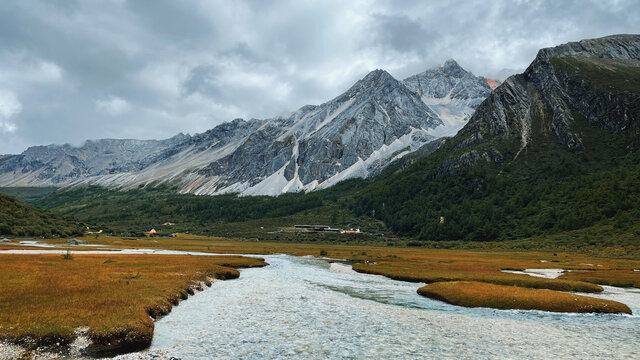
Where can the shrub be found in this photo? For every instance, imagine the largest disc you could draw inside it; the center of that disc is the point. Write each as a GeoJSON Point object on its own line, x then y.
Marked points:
{"type": "Point", "coordinates": [68, 255]}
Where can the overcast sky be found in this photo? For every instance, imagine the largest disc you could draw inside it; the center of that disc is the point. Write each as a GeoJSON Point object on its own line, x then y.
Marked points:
{"type": "Point", "coordinates": [77, 70]}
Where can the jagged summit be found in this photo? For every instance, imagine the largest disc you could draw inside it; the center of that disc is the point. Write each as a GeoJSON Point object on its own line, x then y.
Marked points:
{"type": "Point", "coordinates": [450, 91]}
{"type": "Point", "coordinates": [375, 75]}
{"type": "Point", "coordinates": [452, 68]}
{"type": "Point", "coordinates": [376, 81]}
{"type": "Point", "coordinates": [352, 135]}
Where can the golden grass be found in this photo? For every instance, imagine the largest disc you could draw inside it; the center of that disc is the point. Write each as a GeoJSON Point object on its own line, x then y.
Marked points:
{"type": "Point", "coordinates": [415, 264]}
{"type": "Point", "coordinates": [415, 273]}
{"type": "Point", "coordinates": [479, 294]}
{"type": "Point", "coordinates": [620, 278]}
{"type": "Point", "coordinates": [46, 297]}
{"type": "Point", "coordinates": [410, 264]}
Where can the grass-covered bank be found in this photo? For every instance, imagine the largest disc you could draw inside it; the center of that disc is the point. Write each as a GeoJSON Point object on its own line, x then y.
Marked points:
{"type": "Point", "coordinates": [417, 274]}
{"type": "Point", "coordinates": [619, 278]}
{"type": "Point", "coordinates": [481, 294]}
{"type": "Point", "coordinates": [46, 298]}
{"type": "Point", "coordinates": [410, 263]}
{"type": "Point", "coordinates": [413, 264]}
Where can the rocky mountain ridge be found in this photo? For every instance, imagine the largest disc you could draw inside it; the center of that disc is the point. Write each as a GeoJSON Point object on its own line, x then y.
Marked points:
{"type": "Point", "coordinates": [452, 92]}
{"type": "Point", "coordinates": [560, 83]}
{"type": "Point", "coordinates": [357, 134]}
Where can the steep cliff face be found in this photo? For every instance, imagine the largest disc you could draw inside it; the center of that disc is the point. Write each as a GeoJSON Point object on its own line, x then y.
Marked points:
{"type": "Point", "coordinates": [317, 143]}
{"type": "Point", "coordinates": [596, 78]}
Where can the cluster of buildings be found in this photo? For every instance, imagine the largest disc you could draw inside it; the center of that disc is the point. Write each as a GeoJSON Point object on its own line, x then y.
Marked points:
{"type": "Point", "coordinates": [325, 228]}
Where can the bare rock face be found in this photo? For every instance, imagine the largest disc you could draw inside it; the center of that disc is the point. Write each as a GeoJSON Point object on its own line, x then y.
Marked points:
{"type": "Point", "coordinates": [314, 145]}
{"type": "Point", "coordinates": [357, 134]}
{"type": "Point", "coordinates": [55, 164]}
{"type": "Point", "coordinates": [560, 83]}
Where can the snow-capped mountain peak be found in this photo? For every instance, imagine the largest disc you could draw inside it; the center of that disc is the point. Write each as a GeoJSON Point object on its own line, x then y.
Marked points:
{"type": "Point", "coordinates": [356, 134]}
{"type": "Point", "coordinates": [451, 92]}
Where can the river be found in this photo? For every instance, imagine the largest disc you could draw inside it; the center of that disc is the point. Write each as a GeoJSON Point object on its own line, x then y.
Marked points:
{"type": "Point", "coordinates": [307, 308]}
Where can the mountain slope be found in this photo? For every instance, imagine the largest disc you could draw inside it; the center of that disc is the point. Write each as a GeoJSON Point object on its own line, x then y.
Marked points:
{"type": "Point", "coordinates": [353, 135]}
{"type": "Point", "coordinates": [553, 149]}
{"type": "Point", "coordinates": [357, 134]}
{"type": "Point", "coordinates": [54, 164]}
{"type": "Point", "coordinates": [17, 218]}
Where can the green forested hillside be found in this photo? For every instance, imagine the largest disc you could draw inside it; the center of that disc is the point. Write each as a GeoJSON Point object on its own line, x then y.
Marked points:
{"type": "Point", "coordinates": [546, 190]}
{"type": "Point", "coordinates": [27, 194]}
{"type": "Point", "coordinates": [139, 210]}
{"type": "Point", "coordinates": [19, 219]}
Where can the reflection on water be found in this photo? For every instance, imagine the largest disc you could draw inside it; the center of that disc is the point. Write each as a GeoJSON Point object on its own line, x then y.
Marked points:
{"type": "Point", "coordinates": [308, 308]}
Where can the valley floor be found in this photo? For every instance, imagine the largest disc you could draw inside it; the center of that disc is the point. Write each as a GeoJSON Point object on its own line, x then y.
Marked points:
{"type": "Point", "coordinates": [58, 293]}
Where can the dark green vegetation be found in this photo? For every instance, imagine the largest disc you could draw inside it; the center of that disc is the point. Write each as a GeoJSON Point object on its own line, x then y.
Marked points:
{"type": "Point", "coordinates": [547, 190]}
{"type": "Point", "coordinates": [619, 77]}
{"type": "Point", "coordinates": [27, 194]}
{"type": "Point", "coordinates": [140, 210]}
{"type": "Point", "coordinates": [19, 219]}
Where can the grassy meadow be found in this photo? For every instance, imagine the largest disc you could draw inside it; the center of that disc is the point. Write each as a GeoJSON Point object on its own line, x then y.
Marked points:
{"type": "Point", "coordinates": [411, 264]}
{"type": "Point", "coordinates": [47, 297]}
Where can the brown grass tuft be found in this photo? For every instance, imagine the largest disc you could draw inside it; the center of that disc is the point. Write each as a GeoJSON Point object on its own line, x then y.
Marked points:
{"type": "Point", "coordinates": [620, 278]}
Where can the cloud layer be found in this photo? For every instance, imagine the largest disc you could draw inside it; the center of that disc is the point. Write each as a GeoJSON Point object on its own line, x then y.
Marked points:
{"type": "Point", "coordinates": [76, 70]}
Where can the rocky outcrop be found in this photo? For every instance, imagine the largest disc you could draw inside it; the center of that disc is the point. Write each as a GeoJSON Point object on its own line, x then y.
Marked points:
{"type": "Point", "coordinates": [556, 86]}
{"type": "Point", "coordinates": [61, 164]}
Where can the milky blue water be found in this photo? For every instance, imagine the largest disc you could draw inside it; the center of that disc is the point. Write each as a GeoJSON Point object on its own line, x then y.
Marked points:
{"type": "Point", "coordinates": [306, 308]}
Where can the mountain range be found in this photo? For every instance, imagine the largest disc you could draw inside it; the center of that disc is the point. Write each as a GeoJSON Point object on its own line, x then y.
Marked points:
{"type": "Point", "coordinates": [550, 155]}
{"type": "Point", "coordinates": [357, 134]}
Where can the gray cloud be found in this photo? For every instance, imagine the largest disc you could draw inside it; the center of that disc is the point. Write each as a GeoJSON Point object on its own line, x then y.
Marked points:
{"type": "Point", "coordinates": [75, 70]}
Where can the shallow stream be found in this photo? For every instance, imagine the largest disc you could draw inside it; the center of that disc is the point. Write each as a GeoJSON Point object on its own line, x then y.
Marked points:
{"type": "Point", "coordinates": [302, 307]}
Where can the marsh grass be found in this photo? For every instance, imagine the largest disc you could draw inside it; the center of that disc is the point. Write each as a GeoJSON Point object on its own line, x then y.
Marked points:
{"type": "Point", "coordinates": [619, 278]}
{"type": "Point", "coordinates": [44, 298]}
{"type": "Point", "coordinates": [418, 264]}
{"type": "Point", "coordinates": [479, 294]}
{"type": "Point", "coordinates": [416, 273]}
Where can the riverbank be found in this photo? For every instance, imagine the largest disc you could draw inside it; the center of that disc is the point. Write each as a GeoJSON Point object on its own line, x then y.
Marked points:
{"type": "Point", "coordinates": [48, 302]}
{"type": "Point", "coordinates": [310, 308]}
{"type": "Point", "coordinates": [578, 272]}
{"type": "Point", "coordinates": [417, 274]}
